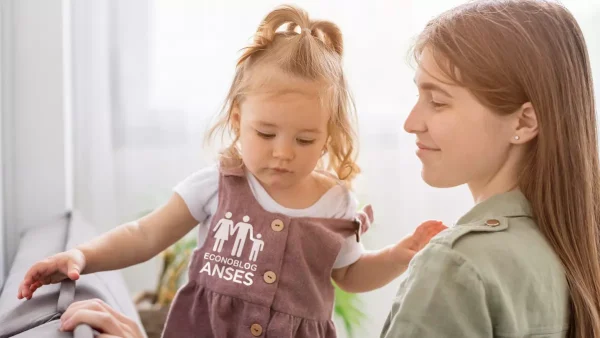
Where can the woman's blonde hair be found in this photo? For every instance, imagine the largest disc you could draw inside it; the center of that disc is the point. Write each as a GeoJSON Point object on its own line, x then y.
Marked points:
{"type": "Point", "coordinates": [289, 41]}
{"type": "Point", "coordinates": [511, 52]}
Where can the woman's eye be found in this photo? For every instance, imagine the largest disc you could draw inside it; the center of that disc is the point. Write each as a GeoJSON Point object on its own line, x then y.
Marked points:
{"type": "Point", "coordinates": [437, 104]}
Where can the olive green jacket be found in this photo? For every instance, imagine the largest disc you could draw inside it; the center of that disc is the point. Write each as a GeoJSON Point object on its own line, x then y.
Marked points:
{"type": "Point", "coordinates": [493, 274]}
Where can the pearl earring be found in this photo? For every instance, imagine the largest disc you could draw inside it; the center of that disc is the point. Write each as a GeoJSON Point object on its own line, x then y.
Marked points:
{"type": "Point", "coordinates": [517, 137]}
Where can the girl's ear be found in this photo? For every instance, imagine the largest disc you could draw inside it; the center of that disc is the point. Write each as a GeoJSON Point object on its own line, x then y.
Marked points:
{"type": "Point", "coordinates": [235, 118]}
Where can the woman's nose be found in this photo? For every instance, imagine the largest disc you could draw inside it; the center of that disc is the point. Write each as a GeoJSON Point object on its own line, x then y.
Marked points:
{"type": "Point", "coordinates": [415, 122]}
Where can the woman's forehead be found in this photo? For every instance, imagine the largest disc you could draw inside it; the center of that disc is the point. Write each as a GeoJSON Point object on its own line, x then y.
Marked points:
{"type": "Point", "coordinates": [430, 68]}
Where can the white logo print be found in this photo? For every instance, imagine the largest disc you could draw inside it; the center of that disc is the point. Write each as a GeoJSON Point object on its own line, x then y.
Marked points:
{"type": "Point", "coordinates": [256, 247]}
{"type": "Point", "coordinates": [235, 270]}
{"type": "Point", "coordinates": [242, 228]}
{"type": "Point", "coordinates": [222, 229]}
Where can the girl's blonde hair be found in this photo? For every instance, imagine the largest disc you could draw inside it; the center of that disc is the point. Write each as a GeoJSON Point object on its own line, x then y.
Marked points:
{"type": "Point", "coordinates": [507, 53]}
{"type": "Point", "coordinates": [310, 50]}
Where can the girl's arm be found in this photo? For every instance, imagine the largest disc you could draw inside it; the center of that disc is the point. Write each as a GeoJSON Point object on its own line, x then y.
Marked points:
{"type": "Point", "coordinates": [377, 268]}
{"type": "Point", "coordinates": [138, 241]}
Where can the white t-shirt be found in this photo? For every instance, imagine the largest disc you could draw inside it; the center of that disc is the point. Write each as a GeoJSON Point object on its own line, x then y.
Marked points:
{"type": "Point", "coordinates": [200, 193]}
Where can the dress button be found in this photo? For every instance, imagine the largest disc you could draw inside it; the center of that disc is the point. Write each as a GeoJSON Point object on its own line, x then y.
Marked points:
{"type": "Point", "coordinates": [270, 277]}
{"type": "Point", "coordinates": [277, 225]}
{"type": "Point", "coordinates": [256, 330]}
{"type": "Point", "coordinates": [357, 230]}
{"type": "Point", "coordinates": [492, 222]}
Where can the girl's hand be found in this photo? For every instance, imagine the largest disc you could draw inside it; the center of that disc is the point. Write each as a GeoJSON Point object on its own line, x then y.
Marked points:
{"type": "Point", "coordinates": [405, 250]}
{"type": "Point", "coordinates": [52, 270]}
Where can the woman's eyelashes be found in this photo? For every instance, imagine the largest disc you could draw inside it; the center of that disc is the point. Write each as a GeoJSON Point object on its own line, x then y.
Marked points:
{"type": "Point", "coordinates": [436, 104]}
{"type": "Point", "coordinates": [431, 101]}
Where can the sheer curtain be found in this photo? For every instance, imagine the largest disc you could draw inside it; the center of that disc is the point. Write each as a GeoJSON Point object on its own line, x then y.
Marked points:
{"type": "Point", "coordinates": [3, 255]}
{"type": "Point", "coordinates": [151, 74]}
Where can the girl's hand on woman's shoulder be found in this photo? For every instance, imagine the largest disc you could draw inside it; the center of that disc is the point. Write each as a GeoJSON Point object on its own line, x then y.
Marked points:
{"type": "Point", "coordinates": [407, 247]}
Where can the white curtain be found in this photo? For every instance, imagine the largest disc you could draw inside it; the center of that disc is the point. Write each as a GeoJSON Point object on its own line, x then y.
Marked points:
{"type": "Point", "coordinates": [151, 74]}
{"type": "Point", "coordinates": [94, 167]}
{"type": "Point", "coordinates": [3, 255]}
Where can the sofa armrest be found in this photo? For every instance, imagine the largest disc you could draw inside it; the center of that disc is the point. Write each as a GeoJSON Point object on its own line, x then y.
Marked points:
{"type": "Point", "coordinates": [109, 285]}
{"type": "Point", "coordinates": [50, 329]}
{"type": "Point", "coordinates": [20, 315]}
{"type": "Point", "coordinates": [45, 308]}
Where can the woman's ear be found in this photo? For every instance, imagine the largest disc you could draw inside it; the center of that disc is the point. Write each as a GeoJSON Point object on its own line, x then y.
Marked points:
{"type": "Point", "coordinates": [526, 124]}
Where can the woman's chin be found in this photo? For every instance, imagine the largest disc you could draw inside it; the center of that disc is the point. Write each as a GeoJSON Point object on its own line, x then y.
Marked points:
{"type": "Point", "coordinates": [438, 180]}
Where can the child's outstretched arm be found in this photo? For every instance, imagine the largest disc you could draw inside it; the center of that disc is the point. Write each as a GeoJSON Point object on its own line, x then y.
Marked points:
{"type": "Point", "coordinates": [377, 268]}
{"type": "Point", "coordinates": [126, 245]}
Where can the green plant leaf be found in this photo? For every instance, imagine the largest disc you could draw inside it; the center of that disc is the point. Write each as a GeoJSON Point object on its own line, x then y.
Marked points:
{"type": "Point", "coordinates": [347, 309]}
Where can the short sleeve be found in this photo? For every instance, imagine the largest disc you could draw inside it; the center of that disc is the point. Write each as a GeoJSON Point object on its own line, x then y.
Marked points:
{"type": "Point", "coordinates": [442, 295]}
{"type": "Point", "coordinates": [351, 250]}
{"type": "Point", "coordinates": [199, 191]}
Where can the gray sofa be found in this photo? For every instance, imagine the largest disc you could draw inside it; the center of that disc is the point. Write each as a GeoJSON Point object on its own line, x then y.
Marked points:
{"type": "Point", "coordinates": [40, 316]}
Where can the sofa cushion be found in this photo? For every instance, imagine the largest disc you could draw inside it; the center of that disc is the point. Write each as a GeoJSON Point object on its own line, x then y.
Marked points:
{"type": "Point", "coordinates": [109, 285]}
{"type": "Point", "coordinates": [50, 330]}
{"type": "Point", "coordinates": [20, 315]}
{"type": "Point", "coordinates": [49, 302]}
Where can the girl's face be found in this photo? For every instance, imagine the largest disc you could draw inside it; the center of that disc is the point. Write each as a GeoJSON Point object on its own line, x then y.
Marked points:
{"type": "Point", "coordinates": [458, 139]}
{"type": "Point", "coordinates": [282, 133]}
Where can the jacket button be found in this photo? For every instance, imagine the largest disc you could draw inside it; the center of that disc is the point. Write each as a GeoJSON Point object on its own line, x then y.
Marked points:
{"type": "Point", "coordinates": [492, 222]}
{"type": "Point", "coordinates": [256, 330]}
{"type": "Point", "coordinates": [277, 225]}
{"type": "Point", "coordinates": [270, 277]}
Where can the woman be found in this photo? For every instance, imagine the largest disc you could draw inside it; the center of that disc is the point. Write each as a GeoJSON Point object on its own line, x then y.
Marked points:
{"type": "Point", "coordinates": [506, 106]}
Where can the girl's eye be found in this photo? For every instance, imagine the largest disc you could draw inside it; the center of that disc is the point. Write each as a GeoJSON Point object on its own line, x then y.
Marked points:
{"type": "Point", "coordinates": [305, 142]}
{"type": "Point", "coordinates": [265, 135]}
